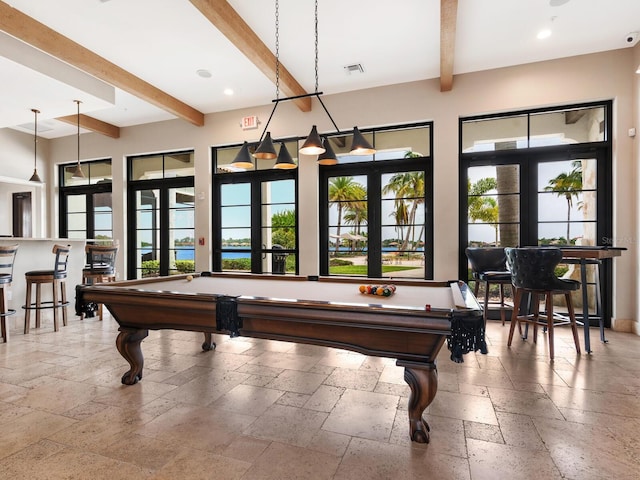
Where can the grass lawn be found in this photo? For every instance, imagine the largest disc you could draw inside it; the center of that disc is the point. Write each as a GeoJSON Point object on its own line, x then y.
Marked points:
{"type": "Point", "coordinates": [362, 269]}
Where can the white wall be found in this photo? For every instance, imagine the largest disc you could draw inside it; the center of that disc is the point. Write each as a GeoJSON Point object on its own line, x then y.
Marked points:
{"type": "Point", "coordinates": [601, 76]}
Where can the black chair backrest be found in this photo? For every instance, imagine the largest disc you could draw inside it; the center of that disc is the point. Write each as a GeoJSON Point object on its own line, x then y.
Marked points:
{"type": "Point", "coordinates": [533, 268]}
{"type": "Point", "coordinates": [7, 259]}
{"type": "Point", "coordinates": [62, 258]}
{"type": "Point", "coordinates": [487, 259]}
{"type": "Point", "coordinates": [101, 257]}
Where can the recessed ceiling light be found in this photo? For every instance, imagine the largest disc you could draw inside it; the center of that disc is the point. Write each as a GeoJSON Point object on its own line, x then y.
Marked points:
{"type": "Point", "coordinates": [203, 73]}
{"type": "Point", "coordinates": [228, 91]}
{"type": "Point", "coordinates": [557, 3]}
{"type": "Point", "coordinates": [542, 34]}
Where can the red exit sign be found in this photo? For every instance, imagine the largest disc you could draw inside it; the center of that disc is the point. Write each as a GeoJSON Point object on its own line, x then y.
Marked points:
{"type": "Point", "coordinates": [249, 123]}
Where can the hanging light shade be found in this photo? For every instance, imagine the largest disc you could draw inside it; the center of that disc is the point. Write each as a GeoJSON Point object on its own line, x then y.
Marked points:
{"type": "Point", "coordinates": [243, 159]}
{"type": "Point", "coordinates": [35, 177]}
{"type": "Point", "coordinates": [77, 172]}
{"type": "Point", "coordinates": [313, 144]}
{"type": "Point", "coordinates": [328, 157]}
{"type": "Point", "coordinates": [284, 159]}
{"type": "Point", "coordinates": [266, 150]}
{"type": "Point", "coordinates": [360, 146]}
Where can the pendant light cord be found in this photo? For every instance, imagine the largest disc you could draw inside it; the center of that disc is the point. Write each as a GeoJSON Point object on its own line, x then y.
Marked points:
{"type": "Point", "coordinates": [316, 27]}
{"type": "Point", "coordinates": [78, 121]}
{"type": "Point", "coordinates": [277, 49]}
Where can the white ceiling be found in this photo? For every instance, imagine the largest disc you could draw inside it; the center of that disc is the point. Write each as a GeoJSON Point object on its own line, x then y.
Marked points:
{"type": "Point", "coordinates": [165, 42]}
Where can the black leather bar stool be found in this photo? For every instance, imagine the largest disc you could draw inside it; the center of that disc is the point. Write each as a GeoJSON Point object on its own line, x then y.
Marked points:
{"type": "Point", "coordinates": [57, 279]}
{"type": "Point", "coordinates": [533, 272]}
{"type": "Point", "coordinates": [489, 267]}
{"type": "Point", "coordinates": [100, 268]}
{"type": "Point", "coordinates": [7, 259]}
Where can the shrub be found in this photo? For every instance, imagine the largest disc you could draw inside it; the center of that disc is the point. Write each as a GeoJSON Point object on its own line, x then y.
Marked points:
{"type": "Point", "coordinates": [236, 264]}
{"type": "Point", "coordinates": [185, 266]}
{"type": "Point", "coordinates": [150, 268]}
{"type": "Point", "coordinates": [338, 262]}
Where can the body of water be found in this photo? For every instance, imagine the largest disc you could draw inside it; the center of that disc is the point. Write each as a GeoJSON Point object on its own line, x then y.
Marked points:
{"type": "Point", "coordinates": [188, 252]}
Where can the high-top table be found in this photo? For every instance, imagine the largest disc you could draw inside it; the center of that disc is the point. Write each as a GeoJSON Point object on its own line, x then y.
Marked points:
{"type": "Point", "coordinates": [583, 256]}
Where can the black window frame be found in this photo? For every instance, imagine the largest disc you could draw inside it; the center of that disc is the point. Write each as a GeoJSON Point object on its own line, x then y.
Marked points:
{"type": "Point", "coordinates": [89, 190]}
{"type": "Point", "coordinates": [255, 178]}
{"type": "Point", "coordinates": [528, 160]}
{"type": "Point", "coordinates": [374, 169]}
{"type": "Point", "coordinates": [163, 185]}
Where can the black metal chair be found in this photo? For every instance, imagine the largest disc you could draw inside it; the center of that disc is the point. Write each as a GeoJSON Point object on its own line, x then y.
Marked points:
{"type": "Point", "coordinates": [7, 259]}
{"type": "Point", "coordinates": [489, 267]}
{"type": "Point", "coordinates": [533, 273]}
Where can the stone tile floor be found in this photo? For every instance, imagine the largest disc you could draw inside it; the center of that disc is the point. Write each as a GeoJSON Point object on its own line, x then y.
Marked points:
{"type": "Point", "coordinates": [256, 409]}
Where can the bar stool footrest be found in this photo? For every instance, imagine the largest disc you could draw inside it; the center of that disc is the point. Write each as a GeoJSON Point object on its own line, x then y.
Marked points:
{"type": "Point", "coordinates": [42, 306]}
{"type": "Point", "coordinates": [11, 311]}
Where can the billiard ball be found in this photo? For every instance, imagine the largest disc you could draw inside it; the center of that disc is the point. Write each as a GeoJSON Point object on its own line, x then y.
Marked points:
{"type": "Point", "coordinates": [189, 278]}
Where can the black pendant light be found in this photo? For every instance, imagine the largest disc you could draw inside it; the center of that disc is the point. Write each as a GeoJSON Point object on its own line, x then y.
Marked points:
{"type": "Point", "coordinates": [328, 157]}
{"type": "Point", "coordinates": [360, 146]}
{"type": "Point", "coordinates": [265, 150]}
{"type": "Point", "coordinates": [77, 172]}
{"type": "Point", "coordinates": [35, 177]}
{"type": "Point", "coordinates": [284, 159]}
{"type": "Point", "coordinates": [313, 143]}
{"type": "Point", "coordinates": [243, 159]}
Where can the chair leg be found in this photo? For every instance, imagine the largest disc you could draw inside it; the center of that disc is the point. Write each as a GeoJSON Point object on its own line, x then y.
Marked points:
{"type": "Point", "coordinates": [56, 304]}
{"type": "Point", "coordinates": [549, 307]}
{"type": "Point", "coordinates": [486, 301]}
{"type": "Point", "coordinates": [38, 303]}
{"type": "Point", "coordinates": [3, 310]}
{"type": "Point", "coordinates": [27, 312]}
{"type": "Point", "coordinates": [63, 295]}
{"type": "Point", "coordinates": [572, 319]}
{"type": "Point", "coordinates": [536, 309]}
{"type": "Point", "coordinates": [502, 303]}
{"type": "Point", "coordinates": [517, 296]}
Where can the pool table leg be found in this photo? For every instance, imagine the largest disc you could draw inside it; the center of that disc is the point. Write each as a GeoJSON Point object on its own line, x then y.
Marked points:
{"type": "Point", "coordinates": [128, 344]}
{"type": "Point", "coordinates": [208, 343]}
{"type": "Point", "coordinates": [423, 381]}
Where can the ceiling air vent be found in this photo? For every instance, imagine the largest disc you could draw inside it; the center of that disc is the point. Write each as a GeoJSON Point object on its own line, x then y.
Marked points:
{"type": "Point", "coordinates": [355, 68]}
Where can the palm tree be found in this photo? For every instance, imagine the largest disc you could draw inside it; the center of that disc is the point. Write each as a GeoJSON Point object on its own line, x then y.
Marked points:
{"type": "Point", "coordinates": [356, 212]}
{"type": "Point", "coordinates": [408, 188]}
{"type": "Point", "coordinates": [341, 191]}
{"type": "Point", "coordinates": [567, 185]}
{"type": "Point", "coordinates": [482, 207]}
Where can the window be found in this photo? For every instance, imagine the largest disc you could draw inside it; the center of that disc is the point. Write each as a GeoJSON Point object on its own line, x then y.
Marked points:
{"type": "Point", "coordinates": [541, 177]}
{"type": "Point", "coordinates": [376, 211]}
{"type": "Point", "coordinates": [161, 207]}
{"type": "Point", "coordinates": [85, 203]}
{"type": "Point", "coordinates": [254, 215]}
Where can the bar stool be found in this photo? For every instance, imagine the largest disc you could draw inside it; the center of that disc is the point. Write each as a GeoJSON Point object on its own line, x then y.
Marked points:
{"type": "Point", "coordinates": [489, 267]}
{"type": "Point", "coordinates": [7, 259]}
{"type": "Point", "coordinates": [57, 279]}
{"type": "Point", "coordinates": [100, 268]}
{"type": "Point", "coordinates": [533, 273]}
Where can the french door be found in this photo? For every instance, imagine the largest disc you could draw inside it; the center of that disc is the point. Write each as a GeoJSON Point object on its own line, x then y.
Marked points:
{"type": "Point", "coordinates": [162, 227]}
{"type": "Point", "coordinates": [255, 222]}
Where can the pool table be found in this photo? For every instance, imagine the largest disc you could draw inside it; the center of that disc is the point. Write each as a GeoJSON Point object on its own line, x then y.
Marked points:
{"type": "Point", "coordinates": [411, 325]}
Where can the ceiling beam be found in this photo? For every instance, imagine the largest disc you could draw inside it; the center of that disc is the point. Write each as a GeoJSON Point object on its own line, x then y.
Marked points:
{"type": "Point", "coordinates": [226, 19]}
{"type": "Point", "coordinates": [448, 16]}
{"type": "Point", "coordinates": [93, 124]}
{"type": "Point", "coordinates": [30, 31]}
